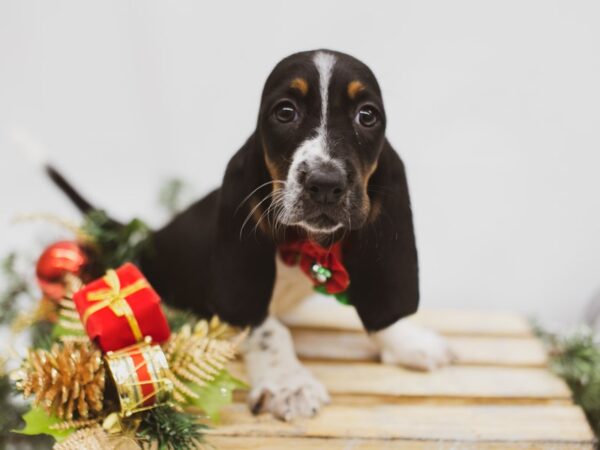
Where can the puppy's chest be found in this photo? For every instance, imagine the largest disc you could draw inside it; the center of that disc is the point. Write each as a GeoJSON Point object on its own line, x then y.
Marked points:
{"type": "Point", "coordinates": [291, 287]}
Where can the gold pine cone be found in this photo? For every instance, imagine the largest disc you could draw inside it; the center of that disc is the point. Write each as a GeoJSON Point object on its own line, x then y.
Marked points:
{"type": "Point", "coordinates": [67, 381]}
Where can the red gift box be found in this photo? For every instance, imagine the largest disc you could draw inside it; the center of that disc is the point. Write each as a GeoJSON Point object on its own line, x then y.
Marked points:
{"type": "Point", "coordinates": [121, 309]}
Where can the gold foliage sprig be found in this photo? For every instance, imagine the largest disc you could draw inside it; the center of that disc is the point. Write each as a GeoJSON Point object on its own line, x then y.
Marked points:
{"type": "Point", "coordinates": [198, 354]}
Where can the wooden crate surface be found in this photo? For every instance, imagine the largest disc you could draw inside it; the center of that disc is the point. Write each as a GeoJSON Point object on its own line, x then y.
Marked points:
{"type": "Point", "coordinates": [323, 313]}
{"type": "Point", "coordinates": [377, 383]}
{"type": "Point", "coordinates": [275, 443]}
{"type": "Point", "coordinates": [430, 423]}
{"type": "Point", "coordinates": [337, 345]}
{"type": "Point", "coordinates": [498, 395]}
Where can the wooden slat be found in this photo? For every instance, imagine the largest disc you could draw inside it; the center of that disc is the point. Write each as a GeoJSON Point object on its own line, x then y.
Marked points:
{"type": "Point", "coordinates": [364, 383]}
{"type": "Point", "coordinates": [355, 346]}
{"type": "Point", "coordinates": [253, 443]}
{"type": "Point", "coordinates": [500, 351]}
{"type": "Point", "coordinates": [323, 312]}
{"type": "Point", "coordinates": [510, 424]}
{"type": "Point", "coordinates": [474, 323]}
{"type": "Point", "coordinates": [279, 443]}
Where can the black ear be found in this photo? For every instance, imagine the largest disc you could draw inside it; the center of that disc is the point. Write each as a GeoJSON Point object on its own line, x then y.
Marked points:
{"type": "Point", "coordinates": [243, 258]}
{"type": "Point", "coordinates": [382, 257]}
{"type": "Point", "coordinates": [199, 261]}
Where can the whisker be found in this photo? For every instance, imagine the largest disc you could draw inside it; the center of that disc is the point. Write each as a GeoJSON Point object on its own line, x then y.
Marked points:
{"type": "Point", "coordinates": [279, 209]}
{"type": "Point", "coordinates": [266, 213]}
{"type": "Point", "coordinates": [256, 189]}
{"type": "Point", "coordinates": [267, 197]}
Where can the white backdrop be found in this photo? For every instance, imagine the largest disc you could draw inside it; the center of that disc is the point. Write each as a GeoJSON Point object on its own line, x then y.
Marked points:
{"type": "Point", "coordinates": [494, 106]}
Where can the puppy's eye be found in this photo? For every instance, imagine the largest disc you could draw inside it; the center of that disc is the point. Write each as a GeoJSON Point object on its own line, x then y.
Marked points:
{"type": "Point", "coordinates": [367, 116]}
{"type": "Point", "coordinates": [285, 112]}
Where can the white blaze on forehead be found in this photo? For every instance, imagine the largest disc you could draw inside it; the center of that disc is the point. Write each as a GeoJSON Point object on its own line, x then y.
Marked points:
{"type": "Point", "coordinates": [315, 148]}
{"type": "Point", "coordinates": [324, 62]}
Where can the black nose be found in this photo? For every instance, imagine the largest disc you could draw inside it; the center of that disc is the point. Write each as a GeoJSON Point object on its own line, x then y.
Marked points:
{"type": "Point", "coordinates": [325, 186]}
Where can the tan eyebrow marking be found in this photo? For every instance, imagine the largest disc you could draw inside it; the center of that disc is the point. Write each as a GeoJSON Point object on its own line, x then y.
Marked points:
{"type": "Point", "coordinates": [354, 87]}
{"type": "Point", "coordinates": [300, 84]}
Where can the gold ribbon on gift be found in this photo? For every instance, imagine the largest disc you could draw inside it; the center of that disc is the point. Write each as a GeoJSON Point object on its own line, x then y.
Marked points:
{"type": "Point", "coordinates": [115, 298]}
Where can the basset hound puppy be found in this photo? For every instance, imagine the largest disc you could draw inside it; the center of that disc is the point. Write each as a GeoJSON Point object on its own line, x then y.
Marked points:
{"type": "Point", "coordinates": [316, 196]}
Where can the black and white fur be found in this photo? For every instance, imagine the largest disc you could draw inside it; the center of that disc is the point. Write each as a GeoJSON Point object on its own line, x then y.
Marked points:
{"type": "Point", "coordinates": [318, 166]}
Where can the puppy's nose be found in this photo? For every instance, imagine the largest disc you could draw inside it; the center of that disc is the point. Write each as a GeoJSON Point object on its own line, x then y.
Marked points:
{"type": "Point", "coordinates": [325, 186]}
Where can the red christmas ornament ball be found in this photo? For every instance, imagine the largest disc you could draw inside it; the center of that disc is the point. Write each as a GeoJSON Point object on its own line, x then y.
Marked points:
{"type": "Point", "coordinates": [58, 260]}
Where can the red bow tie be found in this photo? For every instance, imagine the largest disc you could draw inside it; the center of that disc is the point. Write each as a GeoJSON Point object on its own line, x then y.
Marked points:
{"type": "Point", "coordinates": [322, 265]}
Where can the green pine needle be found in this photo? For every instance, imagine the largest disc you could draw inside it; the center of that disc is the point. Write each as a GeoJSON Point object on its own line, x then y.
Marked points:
{"type": "Point", "coordinates": [42, 335]}
{"type": "Point", "coordinates": [576, 359]}
{"type": "Point", "coordinates": [178, 318]}
{"type": "Point", "coordinates": [10, 415]}
{"type": "Point", "coordinates": [10, 419]}
{"type": "Point", "coordinates": [170, 195]}
{"type": "Point", "coordinates": [14, 285]}
{"type": "Point", "coordinates": [170, 429]}
{"type": "Point", "coordinates": [115, 243]}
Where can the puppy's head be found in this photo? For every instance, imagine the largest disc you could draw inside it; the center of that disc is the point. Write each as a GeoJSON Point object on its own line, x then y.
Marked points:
{"type": "Point", "coordinates": [322, 129]}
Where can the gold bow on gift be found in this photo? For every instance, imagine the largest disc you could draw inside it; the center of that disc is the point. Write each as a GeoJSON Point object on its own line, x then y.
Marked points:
{"type": "Point", "coordinates": [115, 298]}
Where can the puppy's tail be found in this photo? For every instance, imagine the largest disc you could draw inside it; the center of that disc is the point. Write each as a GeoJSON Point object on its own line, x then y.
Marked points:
{"type": "Point", "coordinates": [76, 198]}
{"type": "Point", "coordinates": [35, 152]}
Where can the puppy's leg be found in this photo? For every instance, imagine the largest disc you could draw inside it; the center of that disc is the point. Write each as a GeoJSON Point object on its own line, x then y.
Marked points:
{"type": "Point", "coordinates": [411, 345]}
{"type": "Point", "coordinates": [280, 384]}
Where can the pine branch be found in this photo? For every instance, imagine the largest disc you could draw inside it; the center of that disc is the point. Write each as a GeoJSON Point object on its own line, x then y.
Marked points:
{"type": "Point", "coordinates": [177, 318]}
{"type": "Point", "coordinates": [16, 286]}
{"type": "Point", "coordinates": [114, 243]}
{"type": "Point", "coordinates": [576, 359]}
{"type": "Point", "coordinates": [10, 415]}
{"type": "Point", "coordinates": [170, 429]}
{"type": "Point", "coordinates": [170, 195]}
{"type": "Point", "coordinates": [10, 419]}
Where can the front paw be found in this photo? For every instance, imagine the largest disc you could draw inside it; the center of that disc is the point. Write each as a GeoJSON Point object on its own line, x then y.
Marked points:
{"type": "Point", "coordinates": [287, 395]}
{"type": "Point", "coordinates": [413, 346]}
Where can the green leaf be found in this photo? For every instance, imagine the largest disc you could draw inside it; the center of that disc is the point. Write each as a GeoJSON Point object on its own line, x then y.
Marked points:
{"type": "Point", "coordinates": [37, 421]}
{"type": "Point", "coordinates": [217, 394]}
{"type": "Point", "coordinates": [341, 297]}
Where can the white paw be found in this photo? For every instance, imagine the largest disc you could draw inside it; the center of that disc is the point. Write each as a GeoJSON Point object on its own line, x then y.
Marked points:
{"type": "Point", "coordinates": [413, 346]}
{"type": "Point", "coordinates": [288, 394]}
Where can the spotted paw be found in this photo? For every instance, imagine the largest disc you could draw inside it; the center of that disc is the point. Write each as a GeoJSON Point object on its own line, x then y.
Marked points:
{"type": "Point", "coordinates": [288, 394]}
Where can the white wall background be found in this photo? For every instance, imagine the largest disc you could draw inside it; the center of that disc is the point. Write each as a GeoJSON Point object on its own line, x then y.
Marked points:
{"type": "Point", "coordinates": [494, 106]}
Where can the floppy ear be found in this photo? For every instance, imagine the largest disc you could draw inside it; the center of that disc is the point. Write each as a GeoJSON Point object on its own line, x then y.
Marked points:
{"type": "Point", "coordinates": [199, 262]}
{"type": "Point", "coordinates": [243, 260]}
{"type": "Point", "coordinates": [382, 257]}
